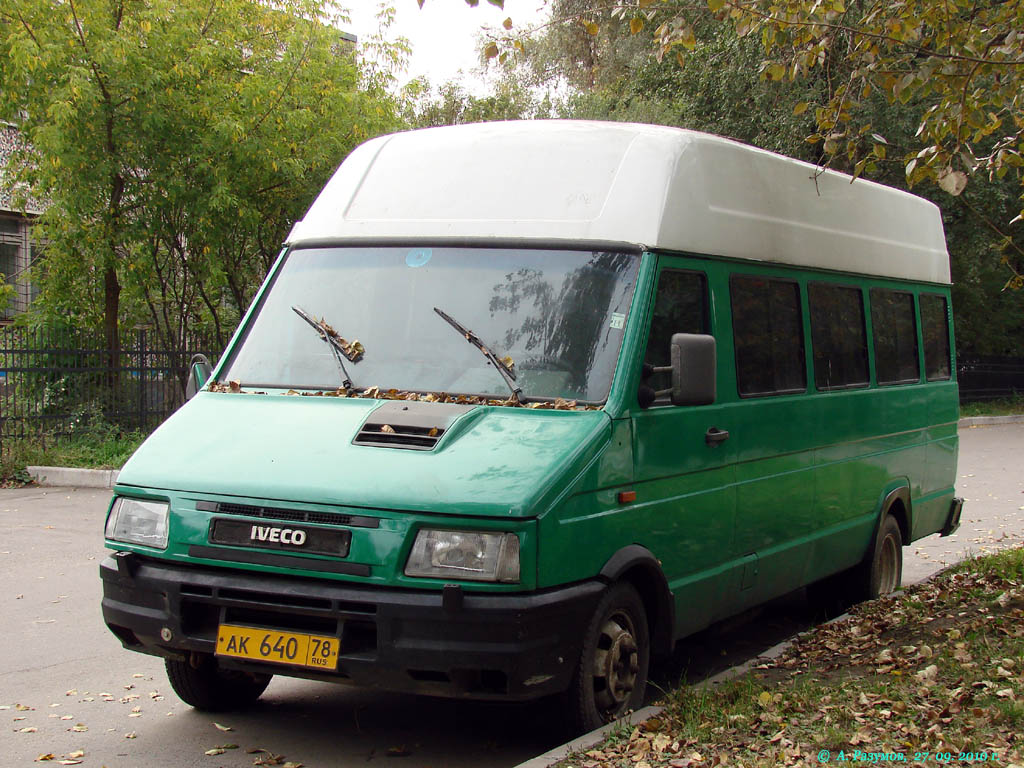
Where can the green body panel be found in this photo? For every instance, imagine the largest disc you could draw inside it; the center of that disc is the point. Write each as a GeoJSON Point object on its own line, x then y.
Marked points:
{"type": "Point", "coordinates": [793, 495]}
{"type": "Point", "coordinates": [493, 461]}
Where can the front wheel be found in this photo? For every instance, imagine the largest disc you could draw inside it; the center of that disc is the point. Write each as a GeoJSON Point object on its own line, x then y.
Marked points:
{"type": "Point", "coordinates": [611, 675]}
{"type": "Point", "coordinates": [201, 683]}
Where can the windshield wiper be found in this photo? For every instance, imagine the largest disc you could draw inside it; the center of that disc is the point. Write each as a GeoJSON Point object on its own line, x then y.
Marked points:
{"type": "Point", "coordinates": [506, 370]}
{"type": "Point", "coordinates": [351, 350]}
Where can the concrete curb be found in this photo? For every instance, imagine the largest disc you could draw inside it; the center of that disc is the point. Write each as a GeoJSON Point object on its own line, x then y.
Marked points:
{"type": "Point", "coordinates": [981, 421]}
{"type": "Point", "coordinates": [74, 477]}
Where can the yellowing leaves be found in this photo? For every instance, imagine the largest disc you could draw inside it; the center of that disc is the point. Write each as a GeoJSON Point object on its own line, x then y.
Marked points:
{"type": "Point", "coordinates": [636, 25]}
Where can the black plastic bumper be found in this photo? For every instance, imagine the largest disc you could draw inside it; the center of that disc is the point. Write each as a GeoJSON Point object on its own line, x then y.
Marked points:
{"type": "Point", "coordinates": [450, 643]}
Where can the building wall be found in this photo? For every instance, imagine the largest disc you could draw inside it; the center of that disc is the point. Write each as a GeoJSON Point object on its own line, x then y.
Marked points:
{"type": "Point", "coordinates": [16, 248]}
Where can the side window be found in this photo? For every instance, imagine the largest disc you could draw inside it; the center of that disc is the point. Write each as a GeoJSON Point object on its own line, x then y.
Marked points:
{"type": "Point", "coordinates": [935, 332]}
{"type": "Point", "coordinates": [768, 334]}
{"type": "Point", "coordinates": [895, 336]}
{"type": "Point", "coordinates": [680, 306]}
{"type": "Point", "coordinates": [839, 340]}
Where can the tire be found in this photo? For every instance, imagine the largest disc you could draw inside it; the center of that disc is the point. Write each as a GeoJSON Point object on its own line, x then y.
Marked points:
{"type": "Point", "coordinates": [208, 688]}
{"type": "Point", "coordinates": [611, 675]}
{"type": "Point", "coordinates": [885, 569]}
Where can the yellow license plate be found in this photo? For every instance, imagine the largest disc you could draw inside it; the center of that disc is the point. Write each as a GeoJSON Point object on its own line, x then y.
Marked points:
{"type": "Point", "coordinates": [295, 648]}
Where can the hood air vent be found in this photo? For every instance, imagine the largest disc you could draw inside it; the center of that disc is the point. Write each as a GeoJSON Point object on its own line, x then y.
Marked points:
{"type": "Point", "coordinates": [409, 424]}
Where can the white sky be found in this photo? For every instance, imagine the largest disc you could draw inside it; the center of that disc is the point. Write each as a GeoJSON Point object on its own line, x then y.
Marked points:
{"type": "Point", "coordinates": [443, 33]}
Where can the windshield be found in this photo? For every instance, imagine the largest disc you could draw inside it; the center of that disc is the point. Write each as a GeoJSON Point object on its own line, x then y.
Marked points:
{"type": "Point", "coordinates": [558, 315]}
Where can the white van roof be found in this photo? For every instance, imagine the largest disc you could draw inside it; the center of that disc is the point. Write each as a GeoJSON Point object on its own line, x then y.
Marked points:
{"type": "Point", "coordinates": [555, 181]}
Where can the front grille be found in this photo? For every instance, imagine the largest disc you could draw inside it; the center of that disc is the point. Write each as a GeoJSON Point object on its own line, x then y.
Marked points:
{"type": "Point", "coordinates": [290, 515]}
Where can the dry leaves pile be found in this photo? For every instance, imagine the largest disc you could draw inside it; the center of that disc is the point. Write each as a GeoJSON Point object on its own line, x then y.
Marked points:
{"type": "Point", "coordinates": [376, 393]}
{"type": "Point", "coordinates": [936, 669]}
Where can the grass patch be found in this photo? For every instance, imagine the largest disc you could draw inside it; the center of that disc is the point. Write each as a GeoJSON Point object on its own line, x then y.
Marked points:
{"type": "Point", "coordinates": [101, 446]}
{"type": "Point", "coordinates": [1005, 406]}
{"type": "Point", "coordinates": [933, 675]}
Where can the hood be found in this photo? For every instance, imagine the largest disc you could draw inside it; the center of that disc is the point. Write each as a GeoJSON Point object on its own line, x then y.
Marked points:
{"type": "Point", "coordinates": [490, 461]}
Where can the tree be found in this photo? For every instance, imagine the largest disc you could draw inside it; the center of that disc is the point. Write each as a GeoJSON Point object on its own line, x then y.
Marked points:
{"type": "Point", "coordinates": [175, 142]}
{"type": "Point", "coordinates": [960, 61]}
{"type": "Point", "coordinates": [452, 104]}
{"type": "Point", "coordinates": [718, 90]}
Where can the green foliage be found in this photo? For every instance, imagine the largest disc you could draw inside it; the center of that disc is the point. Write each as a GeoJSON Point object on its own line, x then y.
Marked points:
{"type": "Point", "coordinates": [98, 446]}
{"type": "Point", "coordinates": [960, 63]}
{"type": "Point", "coordinates": [176, 142]}
{"type": "Point", "coordinates": [1005, 406]}
{"type": "Point", "coordinates": [6, 293]}
{"type": "Point", "coordinates": [452, 104]}
{"type": "Point", "coordinates": [718, 89]}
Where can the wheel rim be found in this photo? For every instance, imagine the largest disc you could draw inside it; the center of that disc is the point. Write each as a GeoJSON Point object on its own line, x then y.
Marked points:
{"type": "Point", "coordinates": [888, 568]}
{"type": "Point", "coordinates": [616, 664]}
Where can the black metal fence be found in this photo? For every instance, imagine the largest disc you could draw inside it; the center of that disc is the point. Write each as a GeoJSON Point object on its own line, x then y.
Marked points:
{"type": "Point", "coordinates": [59, 383]}
{"type": "Point", "coordinates": [988, 378]}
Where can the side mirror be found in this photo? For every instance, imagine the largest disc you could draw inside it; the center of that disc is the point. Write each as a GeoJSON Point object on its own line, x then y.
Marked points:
{"type": "Point", "coordinates": [199, 373]}
{"type": "Point", "coordinates": [693, 369]}
{"type": "Point", "coordinates": [693, 372]}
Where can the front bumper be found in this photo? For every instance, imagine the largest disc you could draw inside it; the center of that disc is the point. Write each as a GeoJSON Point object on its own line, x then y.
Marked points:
{"type": "Point", "coordinates": [450, 643]}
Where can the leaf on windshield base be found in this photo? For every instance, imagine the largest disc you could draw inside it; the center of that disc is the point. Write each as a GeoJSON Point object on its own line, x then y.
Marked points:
{"type": "Point", "coordinates": [387, 429]}
{"type": "Point", "coordinates": [373, 391]}
{"type": "Point", "coordinates": [434, 431]}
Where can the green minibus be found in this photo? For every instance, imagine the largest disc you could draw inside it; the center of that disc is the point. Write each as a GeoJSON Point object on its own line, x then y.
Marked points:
{"type": "Point", "coordinates": [522, 404]}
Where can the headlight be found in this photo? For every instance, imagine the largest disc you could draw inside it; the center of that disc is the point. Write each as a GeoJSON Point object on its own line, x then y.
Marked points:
{"type": "Point", "coordinates": [138, 522]}
{"type": "Point", "coordinates": [465, 556]}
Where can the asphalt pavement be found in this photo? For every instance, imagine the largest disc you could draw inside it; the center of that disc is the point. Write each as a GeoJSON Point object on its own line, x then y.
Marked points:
{"type": "Point", "coordinates": [66, 685]}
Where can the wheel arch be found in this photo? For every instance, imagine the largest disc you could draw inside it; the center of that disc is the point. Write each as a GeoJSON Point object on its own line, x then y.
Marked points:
{"type": "Point", "coordinates": [637, 565]}
{"type": "Point", "coordinates": [896, 502]}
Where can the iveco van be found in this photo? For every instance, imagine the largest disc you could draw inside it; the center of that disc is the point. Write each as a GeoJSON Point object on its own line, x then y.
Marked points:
{"type": "Point", "coordinates": [522, 404]}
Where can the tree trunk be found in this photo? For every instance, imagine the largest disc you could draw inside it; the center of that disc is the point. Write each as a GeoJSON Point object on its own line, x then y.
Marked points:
{"type": "Point", "coordinates": [111, 300]}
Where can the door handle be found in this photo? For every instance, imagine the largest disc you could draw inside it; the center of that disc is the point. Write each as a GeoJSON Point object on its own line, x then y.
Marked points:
{"type": "Point", "coordinates": [714, 436]}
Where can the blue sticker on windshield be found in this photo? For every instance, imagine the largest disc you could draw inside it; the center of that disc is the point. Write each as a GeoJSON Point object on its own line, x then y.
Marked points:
{"type": "Point", "coordinates": [418, 257]}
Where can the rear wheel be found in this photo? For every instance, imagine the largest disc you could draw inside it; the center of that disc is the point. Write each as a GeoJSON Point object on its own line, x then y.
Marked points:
{"type": "Point", "coordinates": [201, 683]}
{"type": "Point", "coordinates": [885, 573]}
{"type": "Point", "coordinates": [611, 676]}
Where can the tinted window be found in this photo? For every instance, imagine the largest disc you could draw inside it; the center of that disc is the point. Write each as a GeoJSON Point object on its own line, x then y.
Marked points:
{"type": "Point", "coordinates": [680, 306]}
{"type": "Point", "coordinates": [935, 332]}
{"type": "Point", "coordinates": [768, 333]}
{"type": "Point", "coordinates": [838, 339]}
{"type": "Point", "coordinates": [895, 336]}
